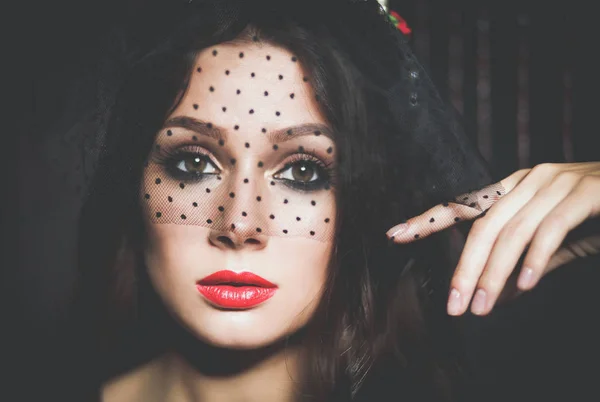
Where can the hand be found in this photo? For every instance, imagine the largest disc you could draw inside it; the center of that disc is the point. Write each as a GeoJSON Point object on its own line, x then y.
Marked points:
{"type": "Point", "coordinates": [539, 208]}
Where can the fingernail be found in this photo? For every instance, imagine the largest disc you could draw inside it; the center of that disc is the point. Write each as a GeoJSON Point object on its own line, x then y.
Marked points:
{"type": "Point", "coordinates": [479, 302]}
{"type": "Point", "coordinates": [398, 229]}
{"type": "Point", "coordinates": [454, 302]}
{"type": "Point", "coordinates": [526, 279]}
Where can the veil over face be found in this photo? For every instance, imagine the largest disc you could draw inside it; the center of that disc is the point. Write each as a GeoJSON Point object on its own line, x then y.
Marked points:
{"type": "Point", "coordinates": [407, 128]}
{"type": "Point", "coordinates": [246, 152]}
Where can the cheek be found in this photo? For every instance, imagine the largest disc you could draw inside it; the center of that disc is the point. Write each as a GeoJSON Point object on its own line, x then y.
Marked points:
{"type": "Point", "coordinates": [172, 253]}
{"type": "Point", "coordinates": [304, 267]}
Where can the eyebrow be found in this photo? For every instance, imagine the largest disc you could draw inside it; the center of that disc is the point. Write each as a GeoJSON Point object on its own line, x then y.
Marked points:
{"type": "Point", "coordinates": [198, 126]}
{"type": "Point", "coordinates": [278, 136]}
{"type": "Point", "coordinates": [286, 134]}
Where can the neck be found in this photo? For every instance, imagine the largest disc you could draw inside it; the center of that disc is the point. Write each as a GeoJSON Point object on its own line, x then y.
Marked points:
{"type": "Point", "coordinates": [194, 371]}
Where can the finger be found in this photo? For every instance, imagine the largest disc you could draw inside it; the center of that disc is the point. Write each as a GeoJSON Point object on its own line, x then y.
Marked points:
{"type": "Point", "coordinates": [463, 208]}
{"type": "Point", "coordinates": [437, 218]}
{"type": "Point", "coordinates": [466, 207]}
{"type": "Point", "coordinates": [481, 239]}
{"type": "Point", "coordinates": [514, 238]}
{"type": "Point", "coordinates": [582, 203]}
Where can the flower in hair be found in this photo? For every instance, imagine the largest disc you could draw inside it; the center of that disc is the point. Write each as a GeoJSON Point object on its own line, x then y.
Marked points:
{"type": "Point", "coordinates": [399, 22]}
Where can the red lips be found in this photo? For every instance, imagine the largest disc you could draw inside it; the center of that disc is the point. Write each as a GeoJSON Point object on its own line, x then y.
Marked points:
{"type": "Point", "coordinates": [235, 290]}
{"type": "Point", "coordinates": [238, 278]}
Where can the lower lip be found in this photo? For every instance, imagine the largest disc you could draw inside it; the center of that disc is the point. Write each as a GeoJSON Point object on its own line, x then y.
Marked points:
{"type": "Point", "coordinates": [236, 297]}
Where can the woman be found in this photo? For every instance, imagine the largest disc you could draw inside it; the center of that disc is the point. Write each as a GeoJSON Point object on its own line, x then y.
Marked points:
{"type": "Point", "coordinates": [231, 244]}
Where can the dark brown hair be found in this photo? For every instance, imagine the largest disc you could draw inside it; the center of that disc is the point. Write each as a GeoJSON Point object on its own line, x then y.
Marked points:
{"type": "Point", "coordinates": [380, 332]}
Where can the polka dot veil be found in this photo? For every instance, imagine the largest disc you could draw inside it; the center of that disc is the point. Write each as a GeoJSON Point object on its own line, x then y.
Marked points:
{"type": "Point", "coordinates": [246, 151]}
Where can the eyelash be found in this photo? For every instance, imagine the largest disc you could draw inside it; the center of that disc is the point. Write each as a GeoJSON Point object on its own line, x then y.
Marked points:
{"type": "Point", "coordinates": [169, 159]}
{"type": "Point", "coordinates": [324, 172]}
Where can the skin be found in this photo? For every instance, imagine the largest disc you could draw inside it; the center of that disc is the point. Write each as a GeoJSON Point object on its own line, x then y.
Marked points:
{"type": "Point", "coordinates": [537, 210]}
{"type": "Point", "coordinates": [178, 255]}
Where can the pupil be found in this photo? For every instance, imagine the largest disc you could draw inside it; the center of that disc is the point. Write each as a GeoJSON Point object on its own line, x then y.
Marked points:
{"type": "Point", "coordinates": [302, 172]}
{"type": "Point", "coordinates": [195, 164]}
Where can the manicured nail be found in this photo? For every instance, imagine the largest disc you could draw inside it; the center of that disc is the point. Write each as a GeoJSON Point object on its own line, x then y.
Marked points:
{"type": "Point", "coordinates": [454, 302]}
{"type": "Point", "coordinates": [479, 302]}
{"type": "Point", "coordinates": [526, 279]}
{"type": "Point", "coordinates": [398, 229]}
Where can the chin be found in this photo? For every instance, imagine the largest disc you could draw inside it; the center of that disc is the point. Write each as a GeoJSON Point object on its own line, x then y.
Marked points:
{"type": "Point", "coordinates": [254, 328]}
{"type": "Point", "coordinates": [249, 329]}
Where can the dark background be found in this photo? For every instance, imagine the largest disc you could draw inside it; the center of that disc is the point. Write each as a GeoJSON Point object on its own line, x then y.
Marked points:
{"type": "Point", "coordinates": [524, 75]}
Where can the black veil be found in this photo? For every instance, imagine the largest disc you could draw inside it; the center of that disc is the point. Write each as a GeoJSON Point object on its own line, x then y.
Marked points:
{"type": "Point", "coordinates": [449, 164]}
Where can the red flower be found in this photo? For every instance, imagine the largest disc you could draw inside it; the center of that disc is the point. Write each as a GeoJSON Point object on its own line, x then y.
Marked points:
{"type": "Point", "coordinates": [400, 23]}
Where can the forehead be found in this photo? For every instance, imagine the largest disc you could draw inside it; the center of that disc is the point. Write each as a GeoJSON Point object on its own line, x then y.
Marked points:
{"type": "Point", "coordinates": [256, 85]}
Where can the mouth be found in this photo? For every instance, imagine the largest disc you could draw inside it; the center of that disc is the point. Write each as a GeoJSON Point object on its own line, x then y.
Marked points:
{"type": "Point", "coordinates": [236, 279]}
{"type": "Point", "coordinates": [235, 291]}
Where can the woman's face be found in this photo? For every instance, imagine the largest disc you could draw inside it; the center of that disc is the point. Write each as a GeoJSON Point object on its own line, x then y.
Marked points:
{"type": "Point", "coordinates": [240, 180]}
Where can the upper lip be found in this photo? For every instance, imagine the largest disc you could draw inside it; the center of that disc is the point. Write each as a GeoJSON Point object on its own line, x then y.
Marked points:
{"type": "Point", "coordinates": [236, 278]}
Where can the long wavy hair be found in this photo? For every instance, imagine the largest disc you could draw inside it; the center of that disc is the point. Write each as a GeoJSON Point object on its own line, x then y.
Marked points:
{"type": "Point", "coordinates": [380, 331]}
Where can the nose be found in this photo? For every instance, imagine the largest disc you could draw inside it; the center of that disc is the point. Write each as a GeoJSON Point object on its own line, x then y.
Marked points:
{"type": "Point", "coordinates": [241, 223]}
{"type": "Point", "coordinates": [238, 239]}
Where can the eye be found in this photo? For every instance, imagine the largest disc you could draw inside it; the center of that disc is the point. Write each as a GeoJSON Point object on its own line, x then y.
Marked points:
{"type": "Point", "coordinates": [189, 166]}
{"type": "Point", "coordinates": [301, 171]}
{"type": "Point", "coordinates": [305, 174]}
{"type": "Point", "coordinates": [196, 164]}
